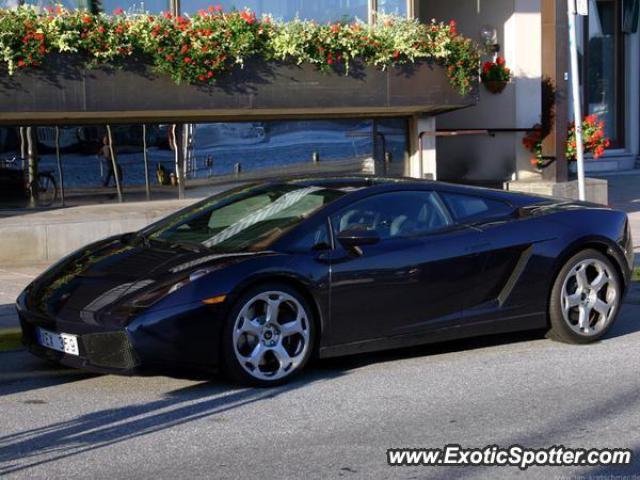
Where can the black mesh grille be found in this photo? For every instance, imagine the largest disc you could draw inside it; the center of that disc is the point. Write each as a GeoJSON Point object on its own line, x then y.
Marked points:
{"type": "Point", "coordinates": [110, 350]}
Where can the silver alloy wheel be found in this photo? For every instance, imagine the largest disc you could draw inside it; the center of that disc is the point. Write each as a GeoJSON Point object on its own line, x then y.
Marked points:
{"type": "Point", "coordinates": [271, 335]}
{"type": "Point", "coordinates": [590, 297]}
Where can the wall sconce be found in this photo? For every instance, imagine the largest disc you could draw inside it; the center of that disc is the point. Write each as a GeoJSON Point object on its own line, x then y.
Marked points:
{"type": "Point", "coordinates": [489, 37]}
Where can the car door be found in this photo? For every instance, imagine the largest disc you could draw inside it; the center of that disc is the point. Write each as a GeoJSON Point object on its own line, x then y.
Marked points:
{"type": "Point", "coordinates": [415, 278]}
{"type": "Point", "coordinates": [501, 250]}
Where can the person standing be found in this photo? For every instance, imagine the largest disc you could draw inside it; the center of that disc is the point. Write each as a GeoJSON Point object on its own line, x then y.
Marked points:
{"type": "Point", "coordinates": [105, 156]}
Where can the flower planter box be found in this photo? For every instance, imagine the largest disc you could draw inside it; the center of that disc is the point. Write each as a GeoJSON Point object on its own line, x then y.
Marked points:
{"type": "Point", "coordinates": [495, 86]}
{"type": "Point", "coordinates": [63, 92]}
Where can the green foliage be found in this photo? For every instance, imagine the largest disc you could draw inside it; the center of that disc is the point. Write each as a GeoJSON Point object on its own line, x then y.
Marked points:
{"type": "Point", "coordinates": [198, 49]}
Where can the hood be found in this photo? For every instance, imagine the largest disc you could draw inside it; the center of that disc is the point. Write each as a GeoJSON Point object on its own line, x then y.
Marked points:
{"type": "Point", "coordinates": [99, 276]}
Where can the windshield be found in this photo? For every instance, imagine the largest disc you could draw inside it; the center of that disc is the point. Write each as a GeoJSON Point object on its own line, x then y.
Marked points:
{"type": "Point", "coordinates": [246, 220]}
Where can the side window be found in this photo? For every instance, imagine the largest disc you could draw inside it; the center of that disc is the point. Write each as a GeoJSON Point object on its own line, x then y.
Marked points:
{"type": "Point", "coordinates": [316, 238]}
{"type": "Point", "coordinates": [394, 214]}
{"type": "Point", "coordinates": [463, 207]}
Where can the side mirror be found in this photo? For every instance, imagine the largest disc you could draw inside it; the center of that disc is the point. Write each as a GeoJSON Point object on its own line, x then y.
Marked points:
{"type": "Point", "coordinates": [355, 237]}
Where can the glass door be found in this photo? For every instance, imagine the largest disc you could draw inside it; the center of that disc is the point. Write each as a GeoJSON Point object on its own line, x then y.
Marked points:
{"type": "Point", "coordinates": [603, 67]}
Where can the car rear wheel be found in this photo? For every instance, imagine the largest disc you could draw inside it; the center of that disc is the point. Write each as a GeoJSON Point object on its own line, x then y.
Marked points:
{"type": "Point", "coordinates": [585, 298]}
{"type": "Point", "coordinates": [268, 336]}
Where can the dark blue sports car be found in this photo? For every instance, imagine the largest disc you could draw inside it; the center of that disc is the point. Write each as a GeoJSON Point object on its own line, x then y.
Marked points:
{"type": "Point", "coordinates": [258, 279]}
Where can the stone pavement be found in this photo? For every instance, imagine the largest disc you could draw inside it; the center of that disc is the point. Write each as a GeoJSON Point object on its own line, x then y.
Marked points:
{"type": "Point", "coordinates": [624, 194]}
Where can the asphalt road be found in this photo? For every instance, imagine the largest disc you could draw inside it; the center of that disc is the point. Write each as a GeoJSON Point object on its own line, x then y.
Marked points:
{"type": "Point", "coordinates": [335, 421]}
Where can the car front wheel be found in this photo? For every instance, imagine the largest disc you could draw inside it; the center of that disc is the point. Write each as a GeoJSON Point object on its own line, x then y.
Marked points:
{"type": "Point", "coordinates": [268, 336]}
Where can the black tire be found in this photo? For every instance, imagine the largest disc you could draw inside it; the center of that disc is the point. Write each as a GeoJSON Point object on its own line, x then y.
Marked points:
{"type": "Point", "coordinates": [565, 329]}
{"type": "Point", "coordinates": [230, 351]}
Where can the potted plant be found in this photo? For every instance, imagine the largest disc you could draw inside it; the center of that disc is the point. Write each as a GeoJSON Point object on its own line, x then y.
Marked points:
{"type": "Point", "coordinates": [495, 75]}
{"type": "Point", "coordinates": [594, 141]}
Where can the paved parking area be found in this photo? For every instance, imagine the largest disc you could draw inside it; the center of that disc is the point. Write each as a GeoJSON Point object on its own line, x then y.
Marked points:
{"type": "Point", "coordinates": [337, 420]}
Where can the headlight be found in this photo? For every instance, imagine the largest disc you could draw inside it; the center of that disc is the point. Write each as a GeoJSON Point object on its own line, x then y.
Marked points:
{"type": "Point", "coordinates": [148, 299]}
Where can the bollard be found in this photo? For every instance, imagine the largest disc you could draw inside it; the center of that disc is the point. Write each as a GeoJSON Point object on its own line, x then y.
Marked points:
{"type": "Point", "coordinates": [315, 157]}
{"type": "Point", "coordinates": [237, 168]}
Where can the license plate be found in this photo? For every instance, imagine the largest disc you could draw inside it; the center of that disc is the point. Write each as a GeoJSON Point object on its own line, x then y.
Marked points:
{"type": "Point", "coordinates": [62, 342]}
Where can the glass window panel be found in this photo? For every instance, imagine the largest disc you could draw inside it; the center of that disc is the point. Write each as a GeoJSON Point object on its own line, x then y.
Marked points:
{"type": "Point", "coordinates": [218, 147]}
{"type": "Point", "coordinates": [394, 132]}
{"type": "Point", "coordinates": [395, 7]}
{"type": "Point", "coordinates": [107, 6]}
{"type": "Point", "coordinates": [602, 65]}
{"type": "Point", "coordinates": [320, 11]}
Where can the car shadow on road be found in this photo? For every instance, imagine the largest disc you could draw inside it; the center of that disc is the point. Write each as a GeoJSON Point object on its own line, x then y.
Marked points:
{"type": "Point", "coordinates": [452, 346]}
{"type": "Point", "coordinates": [22, 372]}
{"type": "Point", "coordinates": [59, 440]}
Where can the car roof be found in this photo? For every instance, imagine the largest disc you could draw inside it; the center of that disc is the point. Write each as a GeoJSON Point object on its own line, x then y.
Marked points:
{"type": "Point", "coordinates": [358, 183]}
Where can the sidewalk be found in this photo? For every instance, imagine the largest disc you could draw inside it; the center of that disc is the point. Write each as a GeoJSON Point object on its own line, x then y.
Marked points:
{"type": "Point", "coordinates": [12, 281]}
{"type": "Point", "coordinates": [624, 194]}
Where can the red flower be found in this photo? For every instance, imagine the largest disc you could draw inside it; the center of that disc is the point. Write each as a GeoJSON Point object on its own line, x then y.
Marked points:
{"type": "Point", "coordinates": [86, 19]}
{"type": "Point", "coordinates": [118, 11]}
{"type": "Point", "coordinates": [187, 60]}
{"type": "Point", "coordinates": [486, 67]}
{"type": "Point", "coordinates": [500, 61]}
{"type": "Point", "coordinates": [21, 63]}
{"type": "Point", "coordinates": [184, 49]}
{"type": "Point", "coordinates": [250, 18]}
{"type": "Point", "coordinates": [209, 74]}
{"type": "Point", "coordinates": [169, 58]}
{"type": "Point", "coordinates": [167, 15]}
{"type": "Point", "coordinates": [202, 78]}
{"type": "Point", "coordinates": [396, 54]}
{"type": "Point", "coordinates": [452, 27]}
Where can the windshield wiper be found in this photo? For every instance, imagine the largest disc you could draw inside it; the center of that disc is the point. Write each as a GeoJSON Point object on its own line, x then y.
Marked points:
{"type": "Point", "coordinates": [190, 246]}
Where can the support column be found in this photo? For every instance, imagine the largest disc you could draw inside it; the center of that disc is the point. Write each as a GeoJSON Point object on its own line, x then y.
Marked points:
{"type": "Point", "coordinates": [179, 144]}
{"type": "Point", "coordinates": [32, 165]}
{"type": "Point", "coordinates": [555, 87]}
{"type": "Point", "coordinates": [428, 169]}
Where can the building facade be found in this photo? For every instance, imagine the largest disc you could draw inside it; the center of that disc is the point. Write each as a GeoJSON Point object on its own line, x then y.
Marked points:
{"type": "Point", "coordinates": [405, 124]}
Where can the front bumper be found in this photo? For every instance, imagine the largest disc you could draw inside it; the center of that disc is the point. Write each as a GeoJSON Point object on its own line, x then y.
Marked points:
{"type": "Point", "coordinates": [99, 351]}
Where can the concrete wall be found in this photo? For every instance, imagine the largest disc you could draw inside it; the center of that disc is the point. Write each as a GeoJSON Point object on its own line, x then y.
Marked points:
{"type": "Point", "coordinates": [481, 157]}
{"type": "Point", "coordinates": [45, 237]}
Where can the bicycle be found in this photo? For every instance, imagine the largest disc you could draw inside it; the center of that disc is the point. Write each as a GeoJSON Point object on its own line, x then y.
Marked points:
{"type": "Point", "coordinates": [43, 187]}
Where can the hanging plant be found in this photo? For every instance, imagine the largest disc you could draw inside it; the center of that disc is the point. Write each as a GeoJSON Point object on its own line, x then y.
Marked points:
{"type": "Point", "coordinates": [594, 141]}
{"type": "Point", "coordinates": [495, 75]}
{"type": "Point", "coordinates": [198, 49]}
